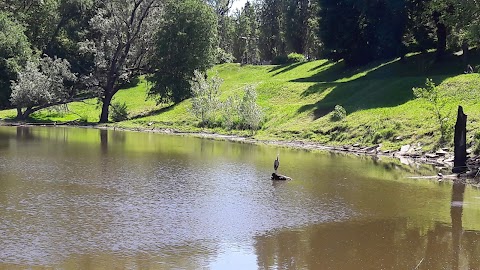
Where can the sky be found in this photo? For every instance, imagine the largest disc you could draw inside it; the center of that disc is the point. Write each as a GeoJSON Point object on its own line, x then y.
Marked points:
{"type": "Point", "coordinates": [238, 4]}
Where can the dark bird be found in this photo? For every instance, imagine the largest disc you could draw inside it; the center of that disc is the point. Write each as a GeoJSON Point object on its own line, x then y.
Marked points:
{"type": "Point", "coordinates": [276, 163]}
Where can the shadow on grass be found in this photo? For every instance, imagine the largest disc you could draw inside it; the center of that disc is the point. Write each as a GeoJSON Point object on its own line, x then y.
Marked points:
{"type": "Point", "coordinates": [386, 84]}
{"type": "Point", "coordinates": [285, 68]}
{"type": "Point", "coordinates": [326, 63]}
{"type": "Point", "coordinates": [154, 112]}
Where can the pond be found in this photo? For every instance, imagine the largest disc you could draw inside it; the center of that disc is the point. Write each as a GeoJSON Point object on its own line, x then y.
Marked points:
{"type": "Point", "coordinates": [78, 198]}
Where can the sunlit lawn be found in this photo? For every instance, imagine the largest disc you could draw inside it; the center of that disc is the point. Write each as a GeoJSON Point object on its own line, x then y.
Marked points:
{"type": "Point", "coordinates": [298, 100]}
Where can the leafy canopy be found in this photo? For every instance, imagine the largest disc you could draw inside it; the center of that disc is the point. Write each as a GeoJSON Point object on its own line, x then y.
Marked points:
{"type": "Point", "coordinates": [186, 41]}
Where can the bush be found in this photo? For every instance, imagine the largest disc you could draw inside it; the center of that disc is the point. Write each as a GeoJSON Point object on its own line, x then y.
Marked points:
{"type": "Point", "coordinates": [119, 111]}
{"type": "Point", "coordinates": [224, 57]}
{"type": "Point", "coordinates": [230, 111]}
{"type": "Point", "coordinates": [338, 113]}
{"type": "Point", "coordinates": [205, 97]}
{"type": "Point", "coordinates": [251, 114]}
{"type": "Point", "coordinates": [476, 143]}
{"type": "Point", "coordinates": [83, 118]}
{"type": "Point", "coordinates": [437, 104]}
{"type": "Point", "coordinates": [296, 58]}
{"type": "Point", "coordinates": [289, 59]}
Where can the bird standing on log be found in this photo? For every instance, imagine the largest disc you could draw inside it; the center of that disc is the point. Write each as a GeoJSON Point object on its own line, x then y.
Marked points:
{"type": "Point", "coordinates": [276, 163]}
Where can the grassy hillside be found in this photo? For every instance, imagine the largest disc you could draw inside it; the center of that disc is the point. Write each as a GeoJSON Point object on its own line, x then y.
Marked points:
{"type": "Point", "coordinates": [298, 99]}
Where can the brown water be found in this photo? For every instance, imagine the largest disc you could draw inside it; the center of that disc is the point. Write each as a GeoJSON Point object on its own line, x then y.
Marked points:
{"type": "Point", "coordinates": [75, 198]}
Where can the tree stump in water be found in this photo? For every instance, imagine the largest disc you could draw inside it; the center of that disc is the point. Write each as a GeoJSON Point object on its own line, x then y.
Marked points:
{"type": "Point", "coordinates": [276, 176]}
{"type": "Point", "coordinates": [460, 141]}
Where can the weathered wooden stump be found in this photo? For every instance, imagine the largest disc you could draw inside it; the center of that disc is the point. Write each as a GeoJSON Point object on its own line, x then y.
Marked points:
{"type": "Point", "coordinates": [276, 176]}
{"type": "Point", "coordinates": [460, 142]}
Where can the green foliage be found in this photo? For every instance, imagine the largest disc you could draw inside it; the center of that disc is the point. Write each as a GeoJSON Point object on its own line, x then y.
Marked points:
{"type": "Point", "coordinates": [289, 59]}
{"type": "Point", "coordinates": [476, 143]}
{"type": "Point", "coordinates": [224, 57]}
{"type": "Point", "coordinates": [230, 113]}
{"type": "Point", "coordinates": [296, 26]}
{"type": "Point", "coordinates": [83, 118]}
{"type": "Point", "coordinates": [338, 113]}
{"type": "Point", "coordinates": [14, 53]}
{"type": "Point", "coordinates": [251, 113]}
{"type": "Point", "coordinates": [234, 112]}
{"type": "Point", "coordinates": [437, 102]}
{"type": "Point", "coordinates": [205, 97]}
{"type": "Point", "coordinates": [42, 85]}
{"type": "Point", "coordinates": [119, 42]}
{"type": "Point", "coordinates": [296, 58]}
{"type": "Point", "coordinates": [272, 28]}
{"type": "Point", "coordinates": [119, 111]}
{"type": "Point", "coordinates": [247, 33]}
{"type": "Point", "coordinates": [185, 41]}
{"type": "Point", "coordinates": [360, 31]}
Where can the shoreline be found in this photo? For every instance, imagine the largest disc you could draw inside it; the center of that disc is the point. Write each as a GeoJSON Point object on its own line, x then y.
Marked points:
{"type": "Point", "coordinates": [408, 155]}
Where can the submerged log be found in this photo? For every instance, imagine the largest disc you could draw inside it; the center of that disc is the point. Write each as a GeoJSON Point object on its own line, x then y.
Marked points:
{"type": "Point", "coordinates": [460, 141]}
{"type": "Point", "coordinates": [276, 176]}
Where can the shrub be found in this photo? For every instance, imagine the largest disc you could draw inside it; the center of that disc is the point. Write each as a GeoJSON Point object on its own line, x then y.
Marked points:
{"type": "Point", "coordinates": [119, 111]}
{"type": "Point", "coordinates": [83, 118]}
{"type": "Point", "coordinates": [205, 97]}
{"type": "Point", "coordinates": [224, 57]}
{"type": "Point", "coordinates": [289, 59]}
{"type": "Point", "coordinates": [230, 113]}
{"type": "Point", "coordinates": [476, 143]}
{"type": "Point", "coordinates": [251, 114]}
{"type": "Point", "coordinates": [296, 58]}
{"type": "Point", "coordinates": [338, 113]}
{"type": "Point", "coordinates": [437, 102]}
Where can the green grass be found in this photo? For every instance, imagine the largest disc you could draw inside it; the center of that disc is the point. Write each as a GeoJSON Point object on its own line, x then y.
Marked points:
{"type": "Point", "coordinates": [298, 99]}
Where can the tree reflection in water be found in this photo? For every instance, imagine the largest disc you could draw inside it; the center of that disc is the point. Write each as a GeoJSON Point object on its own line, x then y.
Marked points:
{"type": "Point", "coordinates": [381, 244]}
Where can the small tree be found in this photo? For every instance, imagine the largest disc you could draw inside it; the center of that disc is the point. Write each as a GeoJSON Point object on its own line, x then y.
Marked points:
{"type": "Point", "coordinates": [205, 100]}
{"type": "Point", "coordinates": [42, 85]}
{"type": "Point", "coordinates": [437, 103]}
{"type": "Point", "coordinates": [250, 112]}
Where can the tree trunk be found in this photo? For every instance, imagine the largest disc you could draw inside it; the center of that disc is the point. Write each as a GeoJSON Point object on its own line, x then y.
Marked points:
{"type": "Point", "coordinates": [460, 142]}
{"type": "Point", "coordinates": [105, 107]}
{"type": "Point", "coordinates": [465, 52]}
{"type": "Point", "coordinates": [22, 116]}
{"type": "Point", "coordinates": [441, 36]}
{"type": "Point", "coordinates": [19, 114]}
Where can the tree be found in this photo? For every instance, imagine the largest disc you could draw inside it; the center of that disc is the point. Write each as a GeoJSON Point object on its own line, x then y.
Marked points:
{"type": "Point", "coordinates": [55, 27]}
{"type": "Point", "coordinates": [419, 33]}
{"type": "Point", "coordinates": [272, 28]}
{"type": "Point", "coordinates": [185, 41]}
{"type": "Point", "coordinates": [312, 40]}
{"type": "Point", "coordinates": [41, 85]}
{"type": "Point", "coordinates": [361, 31]}
{"type": "Point", "coordinates": [247, 35]}
{"type": "Point", "coordinates": [225, 29]}
{"type": "Point", "coordinates": [71, 28]}
{"type": "Point", "coordinates": [296, 18]}
{"type": "Point", "coordinates": [462, 20]}
{"type": "Point", "coordinates": [122, 31]}
{"type": "Point", "coordinates": [14, 54]}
